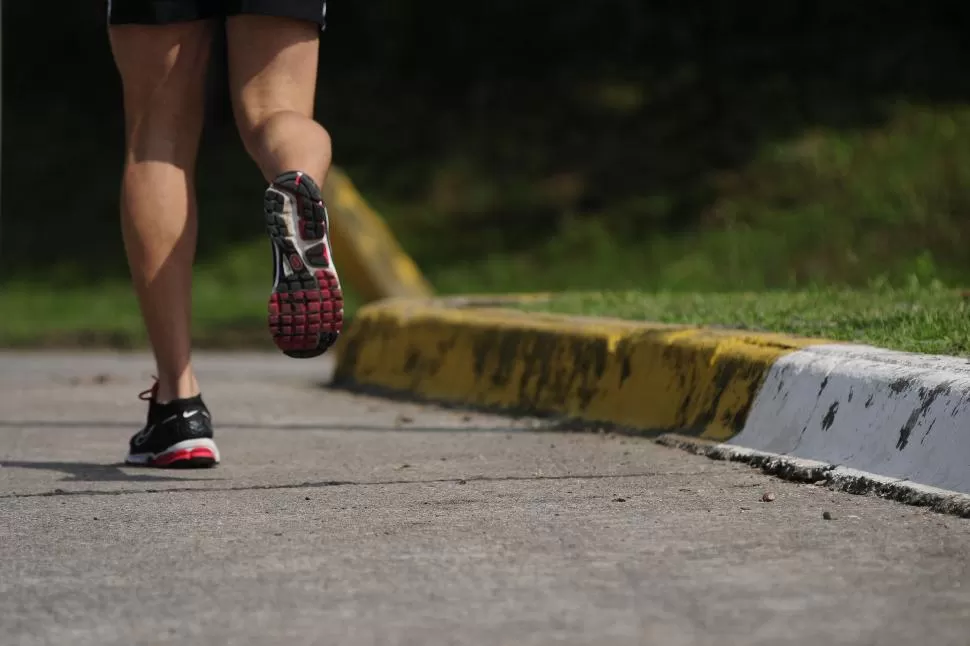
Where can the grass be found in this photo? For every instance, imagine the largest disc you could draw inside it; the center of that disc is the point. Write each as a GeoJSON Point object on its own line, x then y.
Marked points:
{"type": "Point", "coordinates": [929, 320]}
{"type": "Point", "coordinates": [506, 204]}
{"type": "Point", "coordinates": [822, 207]}
{"type": "Point", "coordinates": [229, 309]}
{"type": "Point", "coordinates": [108, 316]}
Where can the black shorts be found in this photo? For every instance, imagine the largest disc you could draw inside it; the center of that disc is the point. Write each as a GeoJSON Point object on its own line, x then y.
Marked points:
{"type": "Point", "coordinates": [162, 12]}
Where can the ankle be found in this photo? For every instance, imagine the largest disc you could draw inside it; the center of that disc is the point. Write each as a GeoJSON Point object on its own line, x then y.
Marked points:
{"type": "Point", "coordinates": [181, 387]}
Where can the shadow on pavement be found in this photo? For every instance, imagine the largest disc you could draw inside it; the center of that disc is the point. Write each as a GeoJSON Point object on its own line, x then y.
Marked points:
{"type": "Point", "coordinates": [93, 472]}
{"type": "Point", "coordinates": [249, 426]}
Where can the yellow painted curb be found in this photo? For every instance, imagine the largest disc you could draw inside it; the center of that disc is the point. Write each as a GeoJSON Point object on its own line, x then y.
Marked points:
{"type": "Point", "coordinates": [367, 253]}
{"type": "Point", "coordinates": [646, 376]}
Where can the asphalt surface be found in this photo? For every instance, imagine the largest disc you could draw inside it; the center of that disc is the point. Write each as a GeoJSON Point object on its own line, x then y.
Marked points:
{"type": "Point", "coordinates": [344, 519]}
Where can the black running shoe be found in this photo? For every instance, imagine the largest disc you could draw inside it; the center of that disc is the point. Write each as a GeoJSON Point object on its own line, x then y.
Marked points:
{"type": "Point", "coordinates": [306, 308]}
{"type": "Point", "coordinates": [177, 435]}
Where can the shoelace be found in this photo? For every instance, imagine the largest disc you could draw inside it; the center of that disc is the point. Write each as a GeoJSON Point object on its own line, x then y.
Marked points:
{"type": "Point", "coordinates": [151, 393]}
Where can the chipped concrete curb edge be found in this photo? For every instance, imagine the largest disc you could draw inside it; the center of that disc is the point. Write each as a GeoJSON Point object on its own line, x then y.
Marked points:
{"type": "Point", "coordinates": [832, 476]}
{"type": "Point", "coordinates": [901, 416]}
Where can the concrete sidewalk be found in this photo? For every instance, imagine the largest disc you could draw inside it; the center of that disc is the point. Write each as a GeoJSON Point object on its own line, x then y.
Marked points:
{"type": "Point", "coordinates": [342, 519]}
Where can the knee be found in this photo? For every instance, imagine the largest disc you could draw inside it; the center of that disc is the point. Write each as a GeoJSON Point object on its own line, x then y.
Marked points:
{"type": "Point", "coordinates": [163, 120]}
{"type": "Point", "coordinates": [165, 133]}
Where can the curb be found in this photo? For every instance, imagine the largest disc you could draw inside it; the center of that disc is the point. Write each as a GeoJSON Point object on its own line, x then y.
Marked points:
{"type": "Point", "coordinates": [828, 475]}
{"type": "Point", "coordinates": [899, 415]}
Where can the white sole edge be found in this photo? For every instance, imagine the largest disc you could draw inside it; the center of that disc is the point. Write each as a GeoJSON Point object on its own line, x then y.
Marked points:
{"type": "Point", "coordinates": [144, 459]}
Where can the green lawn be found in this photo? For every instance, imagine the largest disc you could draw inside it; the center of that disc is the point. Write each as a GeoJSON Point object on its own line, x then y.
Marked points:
{"type": "Point", "coordinates": [229, 308]}
{"type": "Point", "coordinates": [108, 316]}
{"type": "Point", "coordinates": [823, 206]}
{"type": "Point", "coordinates": [915, 319]}
{"type": "Point", "coordinates": [884, 204]}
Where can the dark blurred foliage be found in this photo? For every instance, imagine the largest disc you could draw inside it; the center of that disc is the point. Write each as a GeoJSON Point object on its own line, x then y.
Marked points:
{"type": "Point", "coordinates": [618, 99]}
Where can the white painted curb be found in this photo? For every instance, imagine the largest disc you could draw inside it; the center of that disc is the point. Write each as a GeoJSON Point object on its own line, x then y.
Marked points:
{"type": "Point", "coordinates": [899, 415]}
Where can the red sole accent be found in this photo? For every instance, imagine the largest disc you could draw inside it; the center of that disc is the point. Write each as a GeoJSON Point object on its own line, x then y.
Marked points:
{"type": "Point", "coordinates": [200, 455]}
{"type": "Point", "coordinates": [298, 319]}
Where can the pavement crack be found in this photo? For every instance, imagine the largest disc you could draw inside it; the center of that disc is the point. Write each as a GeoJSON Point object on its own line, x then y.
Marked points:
{"type": "Point", "coordinates": [337, 483]}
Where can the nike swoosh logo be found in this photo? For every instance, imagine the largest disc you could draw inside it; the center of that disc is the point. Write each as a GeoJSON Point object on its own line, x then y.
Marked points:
{"type": "Point", "coordinates": [189, 414]}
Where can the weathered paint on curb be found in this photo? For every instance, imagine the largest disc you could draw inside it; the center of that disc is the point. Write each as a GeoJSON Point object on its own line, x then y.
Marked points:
{"type": "Point", "coordinates": [646, 376]}
{"type": "Point", "coordinates": [369, 256]}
